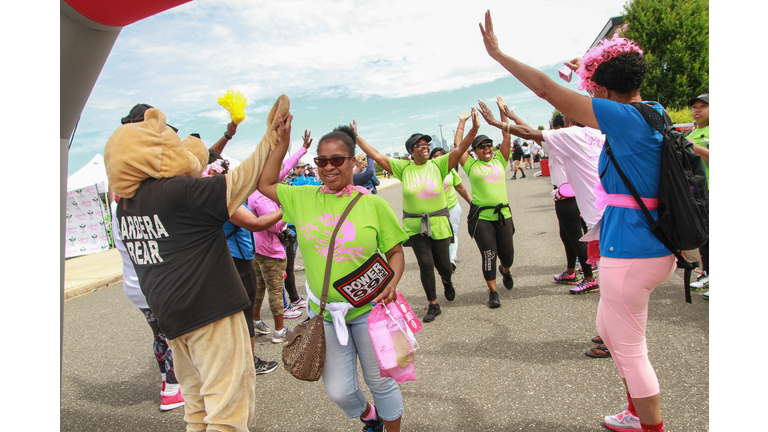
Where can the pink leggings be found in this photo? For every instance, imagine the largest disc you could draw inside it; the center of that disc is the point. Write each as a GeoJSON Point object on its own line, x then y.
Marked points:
{"type": "Point", "coordinates": [625, 287]}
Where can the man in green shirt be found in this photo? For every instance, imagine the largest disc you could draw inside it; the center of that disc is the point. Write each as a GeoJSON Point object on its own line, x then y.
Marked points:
{"type": "Point", "coordinates": [700, 137]}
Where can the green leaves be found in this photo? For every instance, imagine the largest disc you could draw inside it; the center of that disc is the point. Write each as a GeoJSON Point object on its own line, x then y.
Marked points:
{"type": "Point", "coordinates": [675, 37]}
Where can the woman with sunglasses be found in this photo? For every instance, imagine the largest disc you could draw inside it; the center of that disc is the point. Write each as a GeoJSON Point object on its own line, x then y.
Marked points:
{"type": "Point", "coordinates": [633, 262]}
{"type": "Point", "coordinates": [490, 219]}
{"type": "Point", "coordinates": [370, 226]}
{"type": "Point", "coordinates": [425, 212]}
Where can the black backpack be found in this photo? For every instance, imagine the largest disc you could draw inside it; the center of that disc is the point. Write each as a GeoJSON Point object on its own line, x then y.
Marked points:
{"type": "Point", "coordinates": [683, 222]}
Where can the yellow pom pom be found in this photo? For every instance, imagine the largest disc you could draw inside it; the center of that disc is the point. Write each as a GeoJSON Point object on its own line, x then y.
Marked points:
{"type": "Point", "coordinates": [235, 102]}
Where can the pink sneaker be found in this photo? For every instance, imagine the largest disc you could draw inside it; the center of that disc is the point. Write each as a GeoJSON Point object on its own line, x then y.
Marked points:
{"type": "Point", "coordinates": [170, 402]}
{"type": "Point", "coordinates": [623, 422]}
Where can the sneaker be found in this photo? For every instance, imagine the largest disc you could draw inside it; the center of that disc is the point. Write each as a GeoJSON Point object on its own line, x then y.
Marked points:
{"type": "Point", "coordinates": [701, 283]}
{"type": "Point", "coordinates": [278, 337]}
{"type": "Point", "coordinates": [300, 303]}
{"type": "Point", "coordinates": [290, 313]}
{"type": "Point", "coordinates": [261, 327]}
{"type": "Point", "coordinates": [453, 267]}
{"type": "Point", "coordinates": [507, 278]}
{"type": "Point", "coordinates": [172, 401]}
{"type": "Point", "coordinates": [449, 291]}
{"type": "Point", "coordinates": [706, 295]}
{"type": "Point", "coordinates": [584, 286]}
{"type": "Point", "coordinates": [493, 300]}
{"type": "Point", "coordinates": [264, 367]}
{"type": "Point", "coordinates": [523, 176]}
{"type": "Point", "coordinates": [375, 425]}
{"type": "Point", "coordinates": [623, 422]}
{"type": "Point", "coordinates": [434, 310]}
{"type": "Point", "coordinates": [566, 278]}
{"type": "Point", "coordinates": [514, 177]}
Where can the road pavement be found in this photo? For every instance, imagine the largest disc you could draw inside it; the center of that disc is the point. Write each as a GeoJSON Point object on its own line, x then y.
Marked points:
{"type": "Point", "coordinates": [519, 367]}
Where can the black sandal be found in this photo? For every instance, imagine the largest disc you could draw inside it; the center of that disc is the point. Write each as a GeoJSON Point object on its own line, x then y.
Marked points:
{"type": "Point", "coordinates": [593, 354]}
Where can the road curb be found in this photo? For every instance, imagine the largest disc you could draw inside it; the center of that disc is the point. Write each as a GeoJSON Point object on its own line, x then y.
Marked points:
{"type": "Point", "coordinates": [78, 290]}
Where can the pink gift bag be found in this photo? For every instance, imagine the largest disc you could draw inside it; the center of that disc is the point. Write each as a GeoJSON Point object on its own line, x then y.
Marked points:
{"type": "Point", "coordinates": [393, 342]}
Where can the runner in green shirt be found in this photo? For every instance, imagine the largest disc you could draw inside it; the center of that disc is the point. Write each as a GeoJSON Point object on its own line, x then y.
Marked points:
{"type": "Point", "coordinates": [490, 219]}
{"type": "Point", "coordinates": [700, 137]}
{"type": "Point", "coordinates": [425, 212]}
{"type": "Point", "coordinates": [370, 226]}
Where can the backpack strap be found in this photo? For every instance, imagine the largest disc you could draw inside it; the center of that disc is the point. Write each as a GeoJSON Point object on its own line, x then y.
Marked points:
{"type": "Point", "coordinates": [663, 125]}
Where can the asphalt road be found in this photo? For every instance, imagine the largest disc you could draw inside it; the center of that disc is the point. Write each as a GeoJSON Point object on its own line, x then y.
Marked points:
{"type": "Point", "coordinates": [519, 367]}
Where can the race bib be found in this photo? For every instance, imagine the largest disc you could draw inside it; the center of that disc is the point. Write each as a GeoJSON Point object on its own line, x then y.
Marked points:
{"type": "Point", "coordinates": [366, 282]}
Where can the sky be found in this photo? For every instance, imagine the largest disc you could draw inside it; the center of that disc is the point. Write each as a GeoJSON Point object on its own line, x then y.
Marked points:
{"type": "Point", "coordinates": [396, 67]}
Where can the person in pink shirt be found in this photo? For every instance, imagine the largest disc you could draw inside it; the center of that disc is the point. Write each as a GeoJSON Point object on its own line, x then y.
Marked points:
{"type": "Point", "coordinates": [270, 257]}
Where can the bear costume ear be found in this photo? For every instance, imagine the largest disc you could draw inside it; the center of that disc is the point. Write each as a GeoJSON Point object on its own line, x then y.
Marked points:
{"type": "Point", "coordinates": [138, 151]}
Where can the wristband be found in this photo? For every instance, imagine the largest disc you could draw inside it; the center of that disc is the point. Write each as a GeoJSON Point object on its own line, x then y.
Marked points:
{"type": "Point", "coordinates": [227, 136]}
{"type": "Point", "coordinates": [471, 133]}
{"type": "Point", "coordinates": [459, 128]}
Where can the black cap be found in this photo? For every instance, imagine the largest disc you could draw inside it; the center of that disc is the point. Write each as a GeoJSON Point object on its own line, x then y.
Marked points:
{"type": "Point", "coordinates": [137, 116]}
{"type": "Point", "coordinates": [479, 140]}
{"type": "Point", "coordinates": [702, 97]}
{"type": "Point", "coordinates": [410, 142]}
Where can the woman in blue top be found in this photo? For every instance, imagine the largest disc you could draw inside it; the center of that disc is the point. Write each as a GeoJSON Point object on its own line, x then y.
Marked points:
{"type": "Point", "coordinates": [633, 262]}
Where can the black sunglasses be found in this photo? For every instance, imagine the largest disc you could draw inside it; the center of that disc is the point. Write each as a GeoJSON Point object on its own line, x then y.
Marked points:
{"type": "Point", "coordinates": [483, 145]}
{"type": "Point", "coordinates": [336, 161]}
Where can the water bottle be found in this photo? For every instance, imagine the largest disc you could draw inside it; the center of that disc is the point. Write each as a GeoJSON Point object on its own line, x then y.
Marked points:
{"type": "Point", "coordinates": [704, 141]}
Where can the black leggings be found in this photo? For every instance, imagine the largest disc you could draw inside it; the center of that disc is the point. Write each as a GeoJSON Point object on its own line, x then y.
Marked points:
{"type": "Point", "coordinates": [571, 230]}
{"type": "Point", "coordinates": [290, 279]}
{"type": "Point", "coordinates": [432, 254]}
{"type": "Point", "coordinates": [493, 239]}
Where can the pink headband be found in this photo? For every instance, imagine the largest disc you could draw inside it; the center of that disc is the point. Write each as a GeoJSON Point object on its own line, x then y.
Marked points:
{"type": "Point", "coordinates": [604, 51]}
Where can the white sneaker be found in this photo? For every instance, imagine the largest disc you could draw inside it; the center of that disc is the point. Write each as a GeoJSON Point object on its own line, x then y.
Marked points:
{"type": "Point", "coordinates": [623, 422]}
{"type": "Point", "coordinates": [701, 283]}
{"type": "Point", "coordinates": [291, 313]}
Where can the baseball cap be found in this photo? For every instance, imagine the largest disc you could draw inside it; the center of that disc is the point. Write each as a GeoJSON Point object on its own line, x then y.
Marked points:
{"type": "Point", "coordinates": [301, 164]}
{"type": "Point", "coordinates": [409, 143]}
{"type": "Point", "coordinates": [479, 140]}
{"type": "Point", "coordinates": [702, 97]}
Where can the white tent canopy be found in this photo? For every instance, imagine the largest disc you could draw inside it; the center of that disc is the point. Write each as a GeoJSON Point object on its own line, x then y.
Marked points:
{"type": "Point", "coordinates": [93, 173]}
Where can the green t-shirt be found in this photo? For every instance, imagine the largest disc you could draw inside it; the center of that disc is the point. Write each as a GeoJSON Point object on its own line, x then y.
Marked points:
{"type": "Point", "coordinates": [449, 186]}
{"type": "Point", "coordinates": [423, 194]}
{"type": "Point", "coordinates": [370, 226]}
{"type": "Point", "coordinates": [695, 136]}
{"type": "Point", "coordinates": [488, 185]}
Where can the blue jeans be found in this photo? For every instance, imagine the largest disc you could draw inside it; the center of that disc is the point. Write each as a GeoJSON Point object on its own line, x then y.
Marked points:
{"type": "Point", "coordinates": [455, 218]}
{"type": "Point", "coordinates": [340, 372]}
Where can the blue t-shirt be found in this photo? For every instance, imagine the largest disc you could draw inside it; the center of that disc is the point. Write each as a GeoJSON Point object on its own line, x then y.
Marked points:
{"type": "Point", "coordinates": [625, 233]}
{"type": "Point", "coordinates": [242, 240]}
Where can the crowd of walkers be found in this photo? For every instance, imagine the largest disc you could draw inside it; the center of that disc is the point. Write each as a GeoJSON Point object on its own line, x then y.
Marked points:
{"type": "Point", "coordinates": [203, 244]}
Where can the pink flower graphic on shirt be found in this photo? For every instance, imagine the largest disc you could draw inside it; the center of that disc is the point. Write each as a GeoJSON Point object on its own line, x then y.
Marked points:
{"type": "Point", "coordinates": [320, 231]}
{"type": "Point", "coordinates": [490, 173]}
{"type": "Point", "coordinates": [423, 188]}
{"type": "Point", "coordinates": [448, 183]}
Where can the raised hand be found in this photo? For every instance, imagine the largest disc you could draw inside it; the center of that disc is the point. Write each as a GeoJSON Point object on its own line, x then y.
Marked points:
{"type": "Point", "coordinates": [489, 37]}
{"type": "Point", "coordinates": [307, 139]}
{"type": "Point", "coordinates": [475, 118]}
{"type": "Point", "coordinates": [231, 129]}
{"type": "Point", "coordinates": [353, 125]}
{"type": "Point", "coordinates": [500, 102]}
{"type": "Point", "coordinates": [464, 116]}
{"type": "Point", "coordinates": [487, 114]}
{"type": "Point", "coordinates": [573, 64]}
{"type": "Point", "coordinates": [284, 129]}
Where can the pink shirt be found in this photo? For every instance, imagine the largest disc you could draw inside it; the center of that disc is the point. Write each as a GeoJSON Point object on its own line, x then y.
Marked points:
{"type": "Point", "coordinates": [266, 242]}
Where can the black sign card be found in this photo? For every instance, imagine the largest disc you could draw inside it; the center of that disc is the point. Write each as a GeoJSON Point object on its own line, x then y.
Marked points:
{"type": "Point", "coordinates": [366, 282]}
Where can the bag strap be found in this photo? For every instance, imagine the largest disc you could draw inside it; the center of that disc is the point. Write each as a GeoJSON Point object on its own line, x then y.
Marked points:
{"type": "Point", "coordinates": [329, 260]}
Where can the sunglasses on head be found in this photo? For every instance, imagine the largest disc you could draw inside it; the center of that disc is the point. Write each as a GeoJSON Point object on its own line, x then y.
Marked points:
{"type": "Point", "coordinates": [336, 161]}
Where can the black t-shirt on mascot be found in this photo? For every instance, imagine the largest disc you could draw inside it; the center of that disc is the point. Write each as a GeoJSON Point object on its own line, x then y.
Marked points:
{"type": "Point", "coordinates": [517, 153]}
{"type": "Point", "coordinates": [172, 229]}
